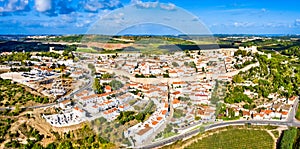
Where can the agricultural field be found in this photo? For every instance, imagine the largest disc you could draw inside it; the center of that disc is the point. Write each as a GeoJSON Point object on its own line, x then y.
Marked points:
{"type": "Point", "coordinates": [235, 138]}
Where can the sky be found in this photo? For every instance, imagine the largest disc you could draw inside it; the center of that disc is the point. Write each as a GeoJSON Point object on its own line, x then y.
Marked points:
{"type": "Point", "coordinates": [216, 16]}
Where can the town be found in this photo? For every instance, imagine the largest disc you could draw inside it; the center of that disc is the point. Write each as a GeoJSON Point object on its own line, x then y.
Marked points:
{"type": "Point", "coordinates": [182, 89]}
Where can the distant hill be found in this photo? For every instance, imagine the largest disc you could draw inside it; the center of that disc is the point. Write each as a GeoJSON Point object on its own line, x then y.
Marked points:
{"type": "Point", "coordinates": [9, 46]}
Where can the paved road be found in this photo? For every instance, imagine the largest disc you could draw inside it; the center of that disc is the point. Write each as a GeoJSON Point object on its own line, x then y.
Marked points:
{"type": "Point", "coordinates": [214, 126]}
{"type": "Point", "coordinates": [291, 121]}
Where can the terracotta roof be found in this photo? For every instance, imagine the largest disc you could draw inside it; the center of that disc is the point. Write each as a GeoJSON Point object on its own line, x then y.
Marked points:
{"type": "Point", "coordinates": [176, 92]}
{"type": "Point", "coordinates": [164, 112]}
{"type": "Point", "coordinates": [82, 93]}
{"type": "Point", "coordinates": [88, 97]}
{"type": "Point", "coordinates": [78, 109]}
{"type": "Point", "coordinates": [293, 98]}
{"type": "Point", "coordinates": [66, 101]}
{"type": "Point", "coordinates": [107, 87]}
{"type": "Point", "coordinates": [268, 111]}
{"type": "Point", "coordinates": [143, 131]}
{"type": "Point", "coordinates": [166, 105]}
{"type": "Point", "coordinates": [176, 101]}
{"type": "Point", "coordinates": [181, 82]}
{"type": "Point", "coordinates": [154, 122]}
{"type": "Point", "coordinates": [284, 113]}
{"type": "Point", "coordinates": [159, 118]}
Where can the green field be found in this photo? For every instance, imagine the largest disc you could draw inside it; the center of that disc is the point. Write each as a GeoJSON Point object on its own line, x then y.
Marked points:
{"type": "Point", "coordinates": [235, 139]}
{"type": "Point", "coordinates": [86, 50]}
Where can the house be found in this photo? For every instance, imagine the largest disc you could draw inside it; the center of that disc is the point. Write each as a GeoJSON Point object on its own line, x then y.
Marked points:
{"type": "Point", "coordinates": [246, 114]}
{"type": "Point", "coordinates": [284, 114]}
{"type": "Point", "coordinates": [143, 134]}
{"type": "Point", "coordinates": [179, 84]}
{"type": "Point", "coordinates": [81, 94]}
{"type": "Point", "coordinates": [77, 75]}
{"type": "Point", "coordinates": [88, 99]}
{"type": "Point", "coordinates": [79, 112]}
{"type": "Point", "coordinates": [292, 100]}
{"type": "Point", "coordinates": [258, 116]}
{"type": "Point", "coordinates": [93, 109]}
{"type": "Point", "coordinates": [107, 89]}
{"type": "Point", "coordinates": [64, 104]}
{"type": "Point", "coordinates": [176, 103]}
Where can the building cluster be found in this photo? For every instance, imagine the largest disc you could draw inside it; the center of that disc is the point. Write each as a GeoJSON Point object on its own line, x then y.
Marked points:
{"type": "Point", "coordinates": [277, 109]}
{"type": "Point", "coordinates": [68, 117]}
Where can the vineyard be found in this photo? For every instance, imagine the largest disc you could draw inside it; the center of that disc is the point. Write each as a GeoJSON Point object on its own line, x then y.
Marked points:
{"type": "Point", "coordinates": [235, 139]}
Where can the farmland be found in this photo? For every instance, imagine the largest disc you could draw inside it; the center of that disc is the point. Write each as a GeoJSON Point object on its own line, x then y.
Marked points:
{"type": "Point", "coordinates": [235, 138]}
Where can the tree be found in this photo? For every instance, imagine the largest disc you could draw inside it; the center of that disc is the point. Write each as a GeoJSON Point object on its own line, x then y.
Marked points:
{"type": "Point", "coordinates": [237, 79]}
{"type": "Point", "coordinates": [97, 86]}
{"type": "Point", "coordinates": [175, 64]}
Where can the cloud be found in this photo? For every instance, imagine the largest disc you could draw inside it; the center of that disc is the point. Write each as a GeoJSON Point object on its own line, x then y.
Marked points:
{"type": "Point", "coordinates": [14, 6]}
{"type": "Point", "coordinates": [43, 5]}
{"type": "Point", "coordinates": [168, 6]}
{"type": "Point", "coordinates": [96, 5]}
{"type": "Point", "coordinates": [297, 22]}
{"type": "Point", "coordinates": [243, 24]}
{"type": "Point", "coordinates": [141, 4]}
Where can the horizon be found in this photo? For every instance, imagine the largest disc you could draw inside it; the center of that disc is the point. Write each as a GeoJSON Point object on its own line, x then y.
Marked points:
{"type": "Point", "coordinates": [217, 34]}
{"type": "Point", "coordinates": [77, 16]}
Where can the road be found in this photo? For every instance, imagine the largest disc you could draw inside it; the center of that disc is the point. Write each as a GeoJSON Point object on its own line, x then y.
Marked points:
{"type": "Point", "coordinates": [290, 121]}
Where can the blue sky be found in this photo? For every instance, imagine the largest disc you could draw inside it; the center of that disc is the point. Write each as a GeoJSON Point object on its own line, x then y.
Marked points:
{"type": "Point", "coordinates": [219, 16]}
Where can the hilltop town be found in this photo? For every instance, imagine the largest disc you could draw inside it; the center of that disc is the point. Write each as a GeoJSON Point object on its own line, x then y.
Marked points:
{"type": "Point", "coordinates": [146, 97]}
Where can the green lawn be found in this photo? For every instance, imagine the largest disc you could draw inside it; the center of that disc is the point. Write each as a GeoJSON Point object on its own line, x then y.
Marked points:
{"type": "Point", "coordinates": [235, 139]}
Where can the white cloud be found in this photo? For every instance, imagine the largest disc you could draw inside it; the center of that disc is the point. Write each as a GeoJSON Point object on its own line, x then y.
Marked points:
{"type": "Point", "coordinates": [142, 4]}
{"type": "Point", "coordinates": [43, 5]}
{"type": "Point", "coordinates": [242, 24]}
{"type": "Point", "coordinates": [96, 5]}
{"type": "Point", "coordinates": [297, 22]}
{"type": "Point", "coordinates": [14, 5]}
{"type": "Point", "coordinates": [168, 6]}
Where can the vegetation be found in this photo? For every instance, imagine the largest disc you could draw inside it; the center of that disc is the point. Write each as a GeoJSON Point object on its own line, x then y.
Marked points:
{"type": "Point", "coordinates": [288, 138]}
{"type": "Point", "coordinates": [12, 94]}
{"type": "Point", "coordinates": [168, 132]}
{"type": "Point", "coordinates": [82, 138]}
{"type": "Point", "coordinates": [92, 67]}
{"type": "Point", "coordinates": [235, 138]}
{"type": "Point", "coordinates": [125, 117]}
{"type": "Point", "coordinates": [275, 75]}
{"type": "Point", "coordinates": [178, 113]}
{"type": "Point", "coordinates": [128, 116]}
{"type": "Point", "coordinates": [21, 69]}
{"type": "Point", "coordinates": [5, 124]}
{"type": "Point", "coordinates": [48, 54]}
{"type": "Point", "coordinates": [297, 116]}
{"type": "Point", "coordinates": [237, 96]}
{"type": "Point", "coordinates": [98, 88]}
{"type": "Point", "coordinates": [16, 56]}
{"type": "Point", "coordinates": [292, 51]}
{"type": "Point", "coordinates": [115, 84]}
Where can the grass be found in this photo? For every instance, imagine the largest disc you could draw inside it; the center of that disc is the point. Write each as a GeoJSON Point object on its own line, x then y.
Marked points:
{"type": "Point", "coordinates": [235, 139]}
{"type": "Point", "coordinates": [169, 134]}
{"type": "Point", "coordinates": [275, 133]}
{"type": "Point", "coordinates": [298, 113]}
{"type": "Point", "coordinates": [86, 50]}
